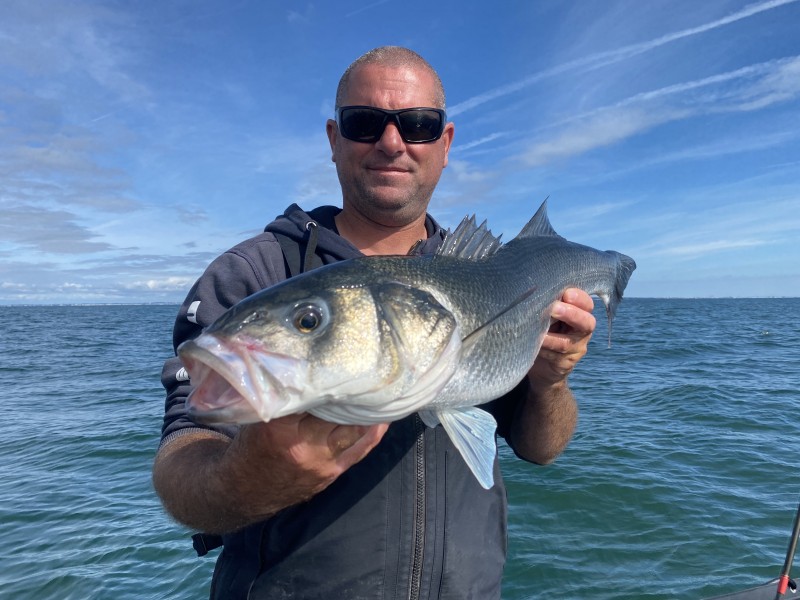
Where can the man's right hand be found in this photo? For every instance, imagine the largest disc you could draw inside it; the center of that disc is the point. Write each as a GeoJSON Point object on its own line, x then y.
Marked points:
{"type": "Point", "coordinates": [299, 455]}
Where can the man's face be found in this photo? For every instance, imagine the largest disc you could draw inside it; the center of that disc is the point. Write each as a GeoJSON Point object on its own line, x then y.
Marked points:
{"type": "Point", "coordinates": [389, 181]}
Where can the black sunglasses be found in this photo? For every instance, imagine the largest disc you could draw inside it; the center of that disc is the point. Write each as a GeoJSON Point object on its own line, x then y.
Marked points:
{"type": "Point", "coordinates": [367, 123]}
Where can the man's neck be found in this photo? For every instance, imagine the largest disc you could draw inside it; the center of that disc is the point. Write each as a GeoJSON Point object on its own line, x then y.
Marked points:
{"type": "Point", "coordinates": [373, 239]}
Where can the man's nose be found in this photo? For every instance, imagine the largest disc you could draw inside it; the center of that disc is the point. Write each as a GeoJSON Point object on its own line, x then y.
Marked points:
{"type": "Point", "coordinates": [391, 142]}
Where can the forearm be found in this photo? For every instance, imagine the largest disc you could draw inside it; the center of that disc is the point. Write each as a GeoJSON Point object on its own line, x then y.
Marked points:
{"type": "Point", "coordinates": [198, 487]}
{"type": "Point", "coordinates": [544, 422]}
{"type": "Point", "coordinates": [217, 485]}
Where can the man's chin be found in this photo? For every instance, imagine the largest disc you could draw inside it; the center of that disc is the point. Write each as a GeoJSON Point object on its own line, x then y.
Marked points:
{"type": "Point", "coordinates": [391, 208]}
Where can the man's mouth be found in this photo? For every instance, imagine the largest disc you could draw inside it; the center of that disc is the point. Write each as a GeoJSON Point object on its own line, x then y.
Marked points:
{"type": "Point", "coordinates": [388, 169]}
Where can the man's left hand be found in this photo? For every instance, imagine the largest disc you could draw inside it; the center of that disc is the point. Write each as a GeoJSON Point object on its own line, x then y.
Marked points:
{"type": "Point", "coordinates": [567, 340]}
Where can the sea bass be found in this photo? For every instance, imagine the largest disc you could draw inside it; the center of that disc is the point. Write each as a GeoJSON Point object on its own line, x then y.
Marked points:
{"type": "Point", "coordinates": [375, 339]}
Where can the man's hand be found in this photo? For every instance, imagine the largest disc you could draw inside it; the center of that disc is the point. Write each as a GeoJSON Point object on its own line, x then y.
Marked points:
{"type": "Point", "coordinates": [298, 455]}
{"type": "Point", "coordinates": [567, 340]}
{"type": "Point", "coordinates": [545, 421]}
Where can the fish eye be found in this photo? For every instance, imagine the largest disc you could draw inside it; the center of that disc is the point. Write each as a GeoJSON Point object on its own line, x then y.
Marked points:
{"type": "Point", "coordinates": [307, 319]}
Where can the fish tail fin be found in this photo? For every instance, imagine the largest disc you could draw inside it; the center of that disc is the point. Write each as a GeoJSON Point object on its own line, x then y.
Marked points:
{"type": "Point", "coordinates": [472, 432]}
{"type": "Point", "coordinates": [625, 267]}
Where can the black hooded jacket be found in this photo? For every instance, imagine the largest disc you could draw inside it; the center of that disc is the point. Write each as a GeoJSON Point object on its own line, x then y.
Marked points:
{"type": "Point", "coordinates": [408, 522]}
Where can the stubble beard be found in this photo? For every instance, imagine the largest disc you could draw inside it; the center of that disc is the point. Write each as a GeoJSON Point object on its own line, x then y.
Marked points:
{"type": "Point", "coordinates": [389, 210]}
{"type": "Point", "coordinates": [393, 212]}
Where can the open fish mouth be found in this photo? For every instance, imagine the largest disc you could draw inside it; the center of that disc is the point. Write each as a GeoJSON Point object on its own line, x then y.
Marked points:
{"type": "Point", "coordinates": [238, 381]}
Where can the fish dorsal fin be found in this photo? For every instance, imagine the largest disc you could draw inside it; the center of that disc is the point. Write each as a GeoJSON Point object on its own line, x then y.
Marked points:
{"type": "Point", "coordinates": [469, 241]}
{"type": "Point", "coordinates": [539, 225]}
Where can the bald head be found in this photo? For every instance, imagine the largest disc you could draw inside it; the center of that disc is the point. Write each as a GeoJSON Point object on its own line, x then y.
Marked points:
{"type": "Point", "coordinates": [394, 57]}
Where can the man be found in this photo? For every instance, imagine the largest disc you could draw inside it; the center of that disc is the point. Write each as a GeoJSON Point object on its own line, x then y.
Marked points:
{"type": "Point", "coordinates": [313, 510]}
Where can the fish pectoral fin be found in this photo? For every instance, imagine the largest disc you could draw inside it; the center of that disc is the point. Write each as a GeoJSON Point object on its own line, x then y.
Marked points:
{"type": "Point", "coordinates": [429, 418]}
{"type": "Point", "coordinates": [475, 335]}
{"type": "Point", "coordinates": [472, 432]}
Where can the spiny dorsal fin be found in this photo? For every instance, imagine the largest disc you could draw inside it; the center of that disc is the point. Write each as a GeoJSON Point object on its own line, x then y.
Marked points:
{"type": "Point", "coordinates": [539, 225]}
{"type": "Point", "coordinates": [469, 241]}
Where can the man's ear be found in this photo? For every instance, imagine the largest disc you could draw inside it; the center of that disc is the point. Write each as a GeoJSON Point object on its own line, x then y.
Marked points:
{"type": "Point", "coordinates": [447, 137]}
{"type": "Point", "coordinates": [333, 133]}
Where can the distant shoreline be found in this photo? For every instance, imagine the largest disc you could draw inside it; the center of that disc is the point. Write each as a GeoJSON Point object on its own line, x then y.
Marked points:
{"type": "Point", "coordinates": [177, 303]}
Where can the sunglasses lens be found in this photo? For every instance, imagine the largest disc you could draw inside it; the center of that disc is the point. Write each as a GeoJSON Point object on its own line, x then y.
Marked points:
{"type": "Point", "coordinates": [362, 124]}
{"type": "Point", "coordinates": [366, 124]}
{"type": "Point", "coordinates": [419, 126]}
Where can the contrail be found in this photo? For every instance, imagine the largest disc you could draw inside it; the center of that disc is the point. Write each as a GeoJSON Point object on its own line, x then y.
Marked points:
{"type": "Point", "coordinates": [615, 125]}
{"type": "Point", "coordinates": [595, 61]}
{"type": "Point", "coordinates": [363, 8]}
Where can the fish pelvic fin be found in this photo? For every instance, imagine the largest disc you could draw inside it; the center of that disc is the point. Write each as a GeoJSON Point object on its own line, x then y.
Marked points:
{"type": "Point", "coordinates": [472, 432]}
{"type": "Point", "coordinates": [611, 299]}
{"type": "Point", "coordinates": [469, 241]}
{"type": "Point", "coordinates": [539, 225]}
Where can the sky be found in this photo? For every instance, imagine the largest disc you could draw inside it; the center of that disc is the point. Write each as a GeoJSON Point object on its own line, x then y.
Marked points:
{"type": "Point", "coordinates": [138, 140]}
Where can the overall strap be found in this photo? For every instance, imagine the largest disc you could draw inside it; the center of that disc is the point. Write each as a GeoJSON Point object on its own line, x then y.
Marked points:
{"type": "Point", "coordinates": [205, 542]}
{"type": "Point", "coordinates": [295, 263]}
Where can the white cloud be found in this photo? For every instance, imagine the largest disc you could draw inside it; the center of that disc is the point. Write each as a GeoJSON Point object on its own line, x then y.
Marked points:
{"type": "Point", "coordinates": [715, 222]}
{"type": "Point", "coordinates": [757, 86]}
{"type": "Point", "coordinates": [781, 84]}
{"type": "Point", "coordinates": [70, 39]}
{"type": "Point", "coordinates": [304, 16]}
{"type": "Point", "coordinates": [466, 173]}
{"type": "Point", "coordinates": [698, 249]}
{"type": "Point", "coordinates": [47, 231]}
{"type": "Point", "coordinates": [603, 129]}
{"type": "Point", "coordinates": [479, 142]}
{"type": "Point", "coordinates": [602, 59]}
{"type": "Point", "coordinates": [365, 8]}
{"type": "Point", "coordinates": [164, 284]}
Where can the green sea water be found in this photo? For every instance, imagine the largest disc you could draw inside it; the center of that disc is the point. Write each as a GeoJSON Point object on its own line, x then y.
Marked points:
{"type": "Point", "coordinates": [681, 481]}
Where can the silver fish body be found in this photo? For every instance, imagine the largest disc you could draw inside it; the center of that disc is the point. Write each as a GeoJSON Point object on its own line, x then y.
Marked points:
{"type": "Point", "coordinates": [375, 339]}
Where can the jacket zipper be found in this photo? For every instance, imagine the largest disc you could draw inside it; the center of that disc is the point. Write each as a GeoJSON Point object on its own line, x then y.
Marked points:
{"type": "Point", "coordinates": [418, 533]}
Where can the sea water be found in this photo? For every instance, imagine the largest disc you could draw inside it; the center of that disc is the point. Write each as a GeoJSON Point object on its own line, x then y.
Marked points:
{"type": "Point", "coordinates": [681, 480]}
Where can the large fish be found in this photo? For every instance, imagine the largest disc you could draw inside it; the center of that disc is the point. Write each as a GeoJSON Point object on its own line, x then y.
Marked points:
{"type": "Point", "coordinates": [375, 339]}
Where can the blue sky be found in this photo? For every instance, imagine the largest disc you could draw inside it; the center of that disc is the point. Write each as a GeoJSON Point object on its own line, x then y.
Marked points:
{"type": "Point", "coordinates": [140, 139]}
